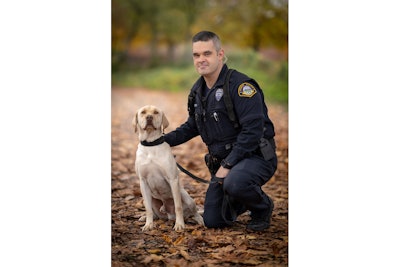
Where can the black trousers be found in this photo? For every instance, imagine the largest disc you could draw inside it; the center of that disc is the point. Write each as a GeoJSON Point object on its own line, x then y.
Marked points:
{"type": "Point", "coordinates": [243, 186]}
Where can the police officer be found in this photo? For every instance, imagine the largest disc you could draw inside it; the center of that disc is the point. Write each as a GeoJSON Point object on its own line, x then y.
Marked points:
{"type": "Point", "coordinates": [239, 138]}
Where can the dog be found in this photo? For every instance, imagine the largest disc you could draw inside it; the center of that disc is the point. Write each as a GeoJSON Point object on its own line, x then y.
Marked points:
{"type": "Point", "coordinates": [163, 196]}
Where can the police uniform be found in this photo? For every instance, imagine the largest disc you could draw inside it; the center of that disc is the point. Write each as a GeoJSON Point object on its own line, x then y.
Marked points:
{"type": "Point", "coordinates": [236, 147]}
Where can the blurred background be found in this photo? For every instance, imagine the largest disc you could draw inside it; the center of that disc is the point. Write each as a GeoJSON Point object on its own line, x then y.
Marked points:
{"type": "Point", "coordinates": [151, 42]}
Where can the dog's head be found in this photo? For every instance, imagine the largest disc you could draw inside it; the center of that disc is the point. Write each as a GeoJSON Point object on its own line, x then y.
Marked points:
{"type": "Point", "coordinates": [150, 121]}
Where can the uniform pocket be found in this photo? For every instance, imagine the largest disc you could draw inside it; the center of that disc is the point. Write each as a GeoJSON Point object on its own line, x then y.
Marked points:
{"type": "Point", "coordinates": [219, 126]}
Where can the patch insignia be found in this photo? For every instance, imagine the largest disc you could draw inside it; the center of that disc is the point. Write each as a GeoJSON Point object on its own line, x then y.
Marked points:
{"type": "Point", "coordinates": [218, 94]}
{"type": "Point", "coordinates": [246, 90]}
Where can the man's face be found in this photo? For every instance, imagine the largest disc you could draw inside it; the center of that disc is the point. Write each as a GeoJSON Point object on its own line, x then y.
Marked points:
{"type": "Point", "coordinates": [206, 59]}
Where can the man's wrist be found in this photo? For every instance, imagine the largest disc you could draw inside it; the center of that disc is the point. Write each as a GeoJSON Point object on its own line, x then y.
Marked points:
{"type": "Point", "coordinates": [218, 179]}
{"type": "Point", "coordinates": [226, 165]}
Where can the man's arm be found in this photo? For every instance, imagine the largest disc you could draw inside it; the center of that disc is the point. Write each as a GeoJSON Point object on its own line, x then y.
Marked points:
{"type": "Point", "coordinates": [183, 133]}
{"type": "Point", "coordinates": [250, 112]}
{"type": "Point", "coordinates": [246, 142]}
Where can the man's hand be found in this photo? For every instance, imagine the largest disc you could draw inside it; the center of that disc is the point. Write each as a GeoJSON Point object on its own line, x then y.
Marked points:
{"type": "Point", "coordinates": [222, 172]}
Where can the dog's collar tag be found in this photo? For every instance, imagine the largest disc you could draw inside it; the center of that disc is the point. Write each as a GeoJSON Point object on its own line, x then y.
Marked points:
{"type": "Point", "coordinates": [156, 142]}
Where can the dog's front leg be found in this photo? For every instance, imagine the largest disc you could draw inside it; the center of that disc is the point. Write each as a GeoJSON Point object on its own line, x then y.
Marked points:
{"type": "Point", "coordinates": [147, 200]}
{"type": "Point", "coordinates": [176, 194]}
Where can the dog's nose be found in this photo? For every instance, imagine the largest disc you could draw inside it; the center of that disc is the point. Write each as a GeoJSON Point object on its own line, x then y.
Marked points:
{"type": "Point", "coordinates": [149, 117]}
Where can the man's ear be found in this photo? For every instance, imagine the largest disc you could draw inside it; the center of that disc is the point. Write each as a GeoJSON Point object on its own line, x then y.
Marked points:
{"type": "Point", "coordinates": [221, 54]}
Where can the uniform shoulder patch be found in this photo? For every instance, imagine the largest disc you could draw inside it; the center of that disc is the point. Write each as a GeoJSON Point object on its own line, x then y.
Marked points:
{"type": "Point", "coordinates": [246, 90]}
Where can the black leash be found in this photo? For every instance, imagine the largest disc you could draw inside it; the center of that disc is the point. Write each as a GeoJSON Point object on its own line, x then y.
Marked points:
{"type": "Point", "coordinates": [162, 140]}
{"type": "Point", "coordinates": [225, 203]}
{"type": "Point", "coordinates": [191, 175]}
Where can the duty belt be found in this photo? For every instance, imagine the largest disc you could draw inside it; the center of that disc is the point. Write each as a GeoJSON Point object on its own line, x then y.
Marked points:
{"type": "Point", "coordinates": [220, 151]}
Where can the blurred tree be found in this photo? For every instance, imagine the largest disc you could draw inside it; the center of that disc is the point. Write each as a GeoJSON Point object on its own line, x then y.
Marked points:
{"type": "Point", "coordinates": [125, 20]}
{"type": "Point", "coordinates": [172, 26]}
{"type": "Point", "coordinates": [248, 23]}
{"type": "Point", "coordinates": [153, 22]}
{"type": "Point", "coordinates": [269, 24]}
{"type": "Point", "coordinates": [245, 23]}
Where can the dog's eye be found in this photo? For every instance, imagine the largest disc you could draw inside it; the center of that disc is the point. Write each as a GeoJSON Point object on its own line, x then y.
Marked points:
{"type": "Point", "coordinates": [143, 112]}
{"type": "Point", "coordinates": [155, 112]}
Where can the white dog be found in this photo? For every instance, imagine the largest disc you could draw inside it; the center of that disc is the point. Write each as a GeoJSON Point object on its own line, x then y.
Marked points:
{"type": "Point", "coordinates": [158, 174]}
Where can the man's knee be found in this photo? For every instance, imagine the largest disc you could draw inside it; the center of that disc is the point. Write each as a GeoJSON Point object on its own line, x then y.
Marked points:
{"type": "Point", "coordinates": [235, 187]}
{"type": "Point", "coordinates": [213, 219]}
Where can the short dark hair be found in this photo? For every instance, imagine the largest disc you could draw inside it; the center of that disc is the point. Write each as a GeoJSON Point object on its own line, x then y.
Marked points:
{"type": "Point", "coordinates": [205, 36]}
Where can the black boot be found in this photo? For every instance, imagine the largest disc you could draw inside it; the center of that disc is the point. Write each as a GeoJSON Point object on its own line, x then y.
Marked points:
{"type": "Point", "coordinates": [261, 220]}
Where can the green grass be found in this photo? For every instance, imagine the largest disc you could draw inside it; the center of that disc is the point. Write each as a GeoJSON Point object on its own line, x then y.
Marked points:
{"type": "Point", "coordinates": [272, 79]}
{"type": "Point", "coordinates": [162, 78]}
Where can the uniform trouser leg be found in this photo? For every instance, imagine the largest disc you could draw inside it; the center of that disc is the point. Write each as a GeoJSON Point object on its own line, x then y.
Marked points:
{"type": "Point", "coordinates": [213, 207]}
{"type": "Point", "coordinates": [212, 215]}
{"type": "Point", "coordinates": [243, 184]}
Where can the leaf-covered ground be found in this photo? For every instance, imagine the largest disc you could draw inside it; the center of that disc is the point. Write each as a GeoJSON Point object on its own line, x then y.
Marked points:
{"type": "Point", "coordinates": [196, 245]}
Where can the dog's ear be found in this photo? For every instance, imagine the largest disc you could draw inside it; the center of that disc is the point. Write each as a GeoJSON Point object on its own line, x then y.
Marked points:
{"type": "Point", "coordinates": [165, 122]}
{"type": "Point", "coordinates": [135, 122]}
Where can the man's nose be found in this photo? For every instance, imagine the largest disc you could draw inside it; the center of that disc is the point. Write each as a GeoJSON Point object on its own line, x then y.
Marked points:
{"type": "Point", "coordinates": [201, 58]}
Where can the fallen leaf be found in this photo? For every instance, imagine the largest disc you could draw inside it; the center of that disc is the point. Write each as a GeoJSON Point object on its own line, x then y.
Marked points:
{"type": "Point", "coordinates": [256, 252]}
{"type": "Point", "coordinates": [185, 254]}
{"type": "Point", "coordinates": [250, 262]}
{"type": "Point", "coordinates": [217, 256]}
{"type": "Point", "coordinates": [179, 240]}
{"type": "Point", "coordinates": [152, 257]}
{"type": "Point", "coordinates": [197, 233]}
{"type": "Point", "coordinates": [227, 249]}
{"type": "Point", "coordinates": [167, 239]}
{"type": "Point", "coordinates": [129, 198]}
{"type": "Point", "coordinates": [154, 251]}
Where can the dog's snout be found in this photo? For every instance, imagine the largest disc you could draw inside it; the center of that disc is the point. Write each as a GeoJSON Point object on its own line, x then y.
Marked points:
{"type": "Point", "coordinates": [149, 117]}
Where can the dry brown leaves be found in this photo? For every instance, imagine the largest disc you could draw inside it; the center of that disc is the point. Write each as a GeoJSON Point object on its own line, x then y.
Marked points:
{"type": "Point", "coordinates": [196, 245]}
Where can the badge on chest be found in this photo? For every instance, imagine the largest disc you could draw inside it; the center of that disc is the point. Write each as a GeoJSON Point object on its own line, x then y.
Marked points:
{"type": "Point", "coordinates": [219, 93]}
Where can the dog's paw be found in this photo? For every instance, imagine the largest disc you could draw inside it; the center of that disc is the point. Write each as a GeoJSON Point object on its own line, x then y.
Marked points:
{"type": "Point", "coordinates": [142, 218]}
{"type": "Point", "coordinates": [199, 219]}
{"type": "Point", "coordinates": [147, 227]}
{"type": "Point", "coordinates": [179, 227]}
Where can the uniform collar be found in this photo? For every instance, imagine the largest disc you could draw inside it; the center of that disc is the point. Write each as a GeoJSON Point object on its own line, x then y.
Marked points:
{"type": "Point", "coordinates": [221, 77]}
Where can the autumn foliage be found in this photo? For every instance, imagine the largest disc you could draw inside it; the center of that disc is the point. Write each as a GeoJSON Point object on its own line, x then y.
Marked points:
{"type": "Point", "coordinates": [196, 245]}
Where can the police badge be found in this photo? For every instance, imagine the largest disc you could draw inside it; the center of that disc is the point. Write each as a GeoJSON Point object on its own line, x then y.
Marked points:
{"type": "Point", "coordinates": [246, 90]}
{"type": "Point", "coordinates": [219, 93]}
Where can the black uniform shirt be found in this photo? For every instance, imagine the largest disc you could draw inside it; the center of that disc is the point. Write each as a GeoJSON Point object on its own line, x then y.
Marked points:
{"type": "Point", "coordinates": [211, 120]}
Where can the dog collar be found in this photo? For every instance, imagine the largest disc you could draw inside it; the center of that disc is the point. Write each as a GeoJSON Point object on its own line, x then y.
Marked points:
{"type": "Point", "coordinates": [156, 142]}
